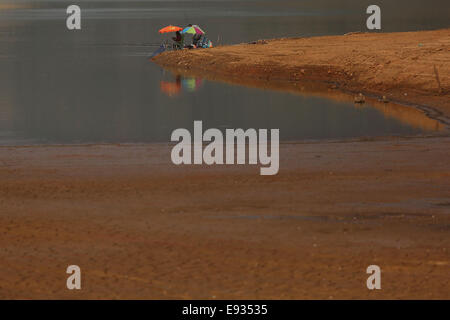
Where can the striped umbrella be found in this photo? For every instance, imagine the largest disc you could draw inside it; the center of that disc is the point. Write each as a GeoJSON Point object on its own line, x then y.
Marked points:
{"type": "Point", "coordinates": [193, 30]}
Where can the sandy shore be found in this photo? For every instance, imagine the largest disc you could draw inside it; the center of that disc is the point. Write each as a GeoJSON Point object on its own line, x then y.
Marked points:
{"type": "Point", "coordinates": [399, 66]}
{"type": "Point", "coordinates": [140, 227]}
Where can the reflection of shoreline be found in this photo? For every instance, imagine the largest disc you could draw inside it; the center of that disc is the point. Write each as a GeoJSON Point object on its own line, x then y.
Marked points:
{"type": "Point", "coordinates": [405, 114]}
{"type": "Point", "coordinates": [409, 115]}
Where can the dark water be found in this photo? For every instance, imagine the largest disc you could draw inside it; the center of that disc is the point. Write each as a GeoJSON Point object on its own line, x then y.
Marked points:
{"type": "Point", "coordinates": [96, 85]}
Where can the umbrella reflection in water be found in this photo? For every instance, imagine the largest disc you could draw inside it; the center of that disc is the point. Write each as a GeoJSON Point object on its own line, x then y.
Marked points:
{"type": "Point", "coordinates": [174, 88]}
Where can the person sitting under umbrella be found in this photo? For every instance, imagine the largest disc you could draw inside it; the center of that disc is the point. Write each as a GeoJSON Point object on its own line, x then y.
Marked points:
{"type": "Point", "coordinates": [196, 32]}
{"type": "Point", "coordinates": [196, 36]}
{"type": "Point", "coordinates": [179, 40]}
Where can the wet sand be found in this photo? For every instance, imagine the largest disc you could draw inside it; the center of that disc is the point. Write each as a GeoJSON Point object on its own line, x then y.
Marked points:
{"type": "Point", "coordinates": [400, 66]}
{"type": "Point", "coordinates": [140, 227]}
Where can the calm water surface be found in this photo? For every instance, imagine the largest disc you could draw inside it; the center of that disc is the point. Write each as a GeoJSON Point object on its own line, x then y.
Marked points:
{"type": "Point", "coordinates": [96, 85]}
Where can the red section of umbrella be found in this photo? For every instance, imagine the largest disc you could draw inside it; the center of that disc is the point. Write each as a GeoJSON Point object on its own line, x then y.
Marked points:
{"type": "Point", "coordinates": [170, 29]}
{"type": "Point", "coordinates": [199, 31]}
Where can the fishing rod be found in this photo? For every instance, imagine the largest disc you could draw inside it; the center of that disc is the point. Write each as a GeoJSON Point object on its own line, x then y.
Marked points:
{"type": "Point", "coordinates": [123, 44]}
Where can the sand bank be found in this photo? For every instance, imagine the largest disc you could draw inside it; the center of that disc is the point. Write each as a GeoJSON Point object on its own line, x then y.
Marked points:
{"type": "Point", "coordinates": [400, 66]}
